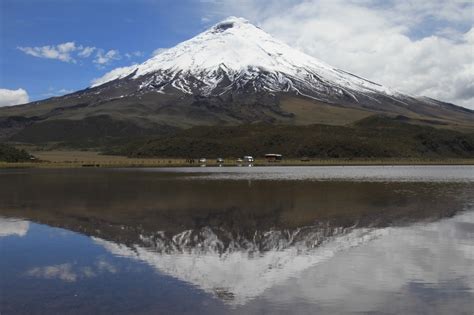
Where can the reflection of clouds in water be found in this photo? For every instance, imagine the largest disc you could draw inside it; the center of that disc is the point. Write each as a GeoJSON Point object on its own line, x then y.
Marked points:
{"type": "Point", "coordinates": [13, 227]}
{"type": "Point", "coordinates": [63, 272]}
{"type": "Point", "coordinates": [238, 276]}
{"type": "Point", "coordinates": [423, 267]}
{"type": "Point", "coordinates": [104, 266]}
{"type": "Point", "coordinates": [423, 261]}
{"type": "Point", "coordinates": [70, 272]}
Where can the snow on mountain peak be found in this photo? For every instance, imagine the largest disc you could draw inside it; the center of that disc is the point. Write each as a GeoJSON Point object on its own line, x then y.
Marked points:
{"type": "Point", "coordinates": [241, 51]}
{"type": "Point", "coordinates": [230, 22]}
{"type": "Point", "coordinates": [233, 43]}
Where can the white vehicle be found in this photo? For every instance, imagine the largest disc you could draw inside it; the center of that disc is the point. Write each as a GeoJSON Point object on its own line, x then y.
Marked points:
{"type": "Point", "coordinates": [202, 160]}
{"type": "Point", "coordinates": [248, 159]}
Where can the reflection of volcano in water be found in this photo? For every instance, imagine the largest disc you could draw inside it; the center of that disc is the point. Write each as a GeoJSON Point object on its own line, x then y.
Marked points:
{"type": "Point", "coordinates": [223, 236]}
{"type": "Point", "coordinates": [239, 269]}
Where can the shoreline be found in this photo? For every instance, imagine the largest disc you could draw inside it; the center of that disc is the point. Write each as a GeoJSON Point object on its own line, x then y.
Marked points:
{"type": "Point", "coordinates": [258, 163]}
{"type": "Point", "coordinates": [93, 159]}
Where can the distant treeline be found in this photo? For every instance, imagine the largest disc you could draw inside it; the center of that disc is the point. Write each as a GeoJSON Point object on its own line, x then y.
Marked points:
{"type": "Point", "coordinates": [9, 153]}
{"type": "Point", "coordinates": [372, 137]}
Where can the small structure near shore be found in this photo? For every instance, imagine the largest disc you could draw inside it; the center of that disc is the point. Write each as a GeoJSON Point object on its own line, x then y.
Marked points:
{"type": "Point", "coordinates": [273, 157]}
{"type": "Point", "coordinates": [248, 159]}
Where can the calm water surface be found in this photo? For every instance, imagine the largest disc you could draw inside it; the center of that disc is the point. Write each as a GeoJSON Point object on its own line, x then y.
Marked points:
{"type": "Point", "coordinates": [299, 240]}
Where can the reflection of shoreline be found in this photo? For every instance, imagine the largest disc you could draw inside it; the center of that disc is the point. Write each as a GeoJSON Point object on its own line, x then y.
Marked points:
{"type": "Point", "coordinates": [345, 173]}
{"type": "Point", "coordinates": [239, 274]}
{"type": "Point", "coordinates": [67, 160]}
{"type": "Point", "coordinates": [11, 226]}
{"type": "Point", "coordinates": [112, 208]}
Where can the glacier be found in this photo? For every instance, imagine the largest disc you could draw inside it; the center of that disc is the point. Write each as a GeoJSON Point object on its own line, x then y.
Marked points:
{"type": "Point", "coordinates": [235, 54]}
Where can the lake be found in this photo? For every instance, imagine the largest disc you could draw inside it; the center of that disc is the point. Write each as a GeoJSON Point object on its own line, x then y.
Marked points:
{"type": "Point", "coordinates": [238, 240]}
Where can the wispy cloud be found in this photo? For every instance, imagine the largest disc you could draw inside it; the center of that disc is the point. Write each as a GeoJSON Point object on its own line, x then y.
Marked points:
{"type": "Point", "coordinates": [63, 272]}
{"type": "Point", "coordinates": [112, 75]}
{"type": "Point", "coordinates": [13, 97]}
{"type": "Point", "coordinates": [56, 92]}
{"type": "Point", "coordinates": [158, 51]}
{"type": "Point", "coordinates": [86, 52]}
{"type": "Point", "coordinates": [134, 54]}
{"type": "Point", "coordinates": [71, 272]}
{"type": "Point", "coordinates": [104, 58]}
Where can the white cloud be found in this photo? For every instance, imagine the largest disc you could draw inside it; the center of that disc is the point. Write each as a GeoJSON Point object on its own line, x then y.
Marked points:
{"type": "Point", "coordinates": [56, 92]}
{"type": "Point", "coordinates": [112, 75]}
{"type": "Point", "coordinates": [417, 47]}
{"type": "Point", "coordinates": [69, 52]}
{"type": "Point", "coordinates": [9, 227]}
{"type": "Point", "coordinates": [63, 272]}
{"type": "Point", "coordinates": [60, 52]}
{"type": "Point", "coordinates": [86, 51]}
{"type": "Point", "coordinates": [104, 58]}
{"type": "Point", "coordinates": [70, 272]}
{"type": "Point", "coordinates": [134, 54]}
{"type": "Point", "coordinates": [13, 97]}
{"type": "Point", "coordinates": [158, 51]}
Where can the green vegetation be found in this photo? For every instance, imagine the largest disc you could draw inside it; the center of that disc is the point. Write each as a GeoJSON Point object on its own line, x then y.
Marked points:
{"type": "Point", "coordinates": [372, 137]}
{"type": "Point", "coordinates": [89, 132]}
{"type": "Point", "coordinates": [9, 153]}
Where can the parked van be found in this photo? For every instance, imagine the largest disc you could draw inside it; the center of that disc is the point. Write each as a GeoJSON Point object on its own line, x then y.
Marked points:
{"type": "Point", "coordinates": [248, 159]}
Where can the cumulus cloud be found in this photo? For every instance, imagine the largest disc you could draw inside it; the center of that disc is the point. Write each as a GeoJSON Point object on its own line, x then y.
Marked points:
{"type": "Point", "coordinates": [416, 47]}
{"type": "Point", "coordinates": [104, 58]}
{"type": "Point", "coordinates": [60, 52]}
{"type": "Point", "coordinates": [70, 52]}
{"type": "Point", "coordinates": [13, 97]}
{"type": "Point", "coordinates": [9, 227]}
{"type": "Point", "coordinates": [86, 51]}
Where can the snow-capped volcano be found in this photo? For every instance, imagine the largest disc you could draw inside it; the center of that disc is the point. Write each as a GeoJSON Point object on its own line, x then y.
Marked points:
{"type": "Point", "coordinates": [234, 54]}
{"type": "Point", "coordinates": [233, 73]}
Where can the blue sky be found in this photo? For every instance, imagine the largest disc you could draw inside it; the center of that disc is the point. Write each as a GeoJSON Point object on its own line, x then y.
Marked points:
{"type": "Point", "coordinates": [136, 28]}
{"type": "Point", "coordinates": [52, 47]}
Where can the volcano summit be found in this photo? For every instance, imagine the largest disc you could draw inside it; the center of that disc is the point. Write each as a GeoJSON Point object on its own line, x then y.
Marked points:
{"type": "Point", "coordinates": [234, 73]}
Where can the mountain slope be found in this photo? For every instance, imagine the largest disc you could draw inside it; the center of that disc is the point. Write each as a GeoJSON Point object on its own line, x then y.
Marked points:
{"type": "Point", "coordinates": [372, 137]}
{"type": "Point", "coordinates": [234, 54]}
{"type": "Point", "coordinates": [231, 74]}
